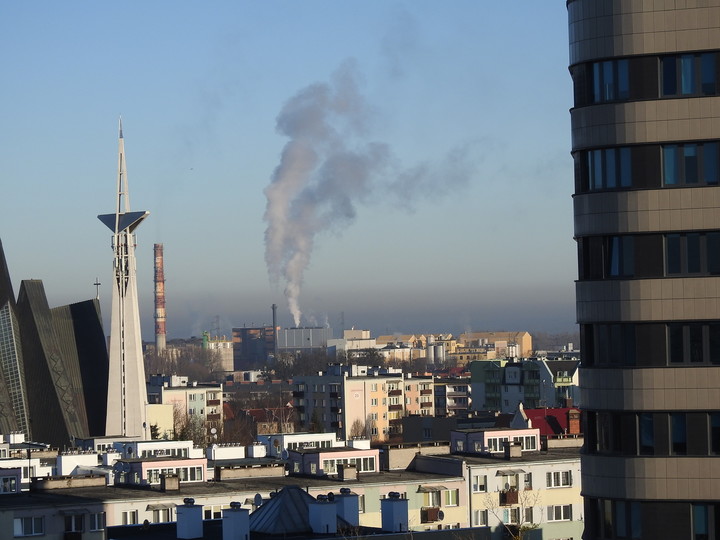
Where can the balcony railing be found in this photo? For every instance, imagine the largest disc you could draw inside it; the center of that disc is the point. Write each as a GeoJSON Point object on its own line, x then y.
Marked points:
{"type": "Point", "coordinates": [508, 497]}
{"type": "Point", "coordinates": [425, 404]}
{"type": "Point", "coordinates": [395, 407]}
{"type": "Point", "coordinates": [212, 417]}
{"type": "Point", "coordinates": [212, 402]}
{"type": "Point", "coordinates": [298, 393]}
{"type": "Point", "coordinates": [429, 514]}
{"type": "Point", "coordinates": [426, 392]}
{"type": "Point", "coordinates": [394, 392]}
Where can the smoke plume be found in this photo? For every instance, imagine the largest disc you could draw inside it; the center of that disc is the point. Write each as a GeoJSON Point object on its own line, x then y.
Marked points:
{"type": "Point", "coordinates": [326, 168]}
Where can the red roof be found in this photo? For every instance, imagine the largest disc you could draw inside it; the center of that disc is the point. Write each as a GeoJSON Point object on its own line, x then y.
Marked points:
{"type": "Point", "coordinates": [550, 421]}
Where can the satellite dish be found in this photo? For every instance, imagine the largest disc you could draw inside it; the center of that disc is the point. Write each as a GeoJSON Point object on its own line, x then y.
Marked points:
{"type": "Point", "coordinates": [125, 467]}
{"type": "Point", "coordinates": [441, 515]}
{"type": "Point", "coordinates": [331, 496]}
{"type": "Point", "coordinates": [258, 500]}
{"type": "Point", "coordinates": [117, 468]}
{"type": "Point", "coordinates": [213, 431]}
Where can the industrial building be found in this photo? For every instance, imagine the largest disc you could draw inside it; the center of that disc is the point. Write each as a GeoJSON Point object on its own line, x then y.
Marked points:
{"type": "Point", "coordinates": [646, 147]}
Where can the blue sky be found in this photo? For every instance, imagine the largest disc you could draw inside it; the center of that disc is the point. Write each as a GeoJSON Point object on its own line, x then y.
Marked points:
{"type": "Point", "coordinates": [473, 94]}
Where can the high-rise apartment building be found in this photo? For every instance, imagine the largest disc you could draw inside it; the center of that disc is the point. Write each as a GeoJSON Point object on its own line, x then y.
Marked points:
{"type": "Point", "coordinates": [646, 147]}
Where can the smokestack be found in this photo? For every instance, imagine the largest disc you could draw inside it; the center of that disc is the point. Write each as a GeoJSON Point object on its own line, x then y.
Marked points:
{"type": "Point", "coordinates": [275, 337]}
{"type": "Point", "coordinates": [159, 298]}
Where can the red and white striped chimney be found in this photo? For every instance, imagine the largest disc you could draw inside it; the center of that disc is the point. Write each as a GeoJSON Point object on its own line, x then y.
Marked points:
{"type": "Point", "coordinates": [159, 298]}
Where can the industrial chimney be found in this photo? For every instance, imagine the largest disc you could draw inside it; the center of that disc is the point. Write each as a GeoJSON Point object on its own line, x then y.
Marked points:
{"type": "Point", "coordinates": [275, 336]}
{"type": "Point", "coordinates": [159, 298]}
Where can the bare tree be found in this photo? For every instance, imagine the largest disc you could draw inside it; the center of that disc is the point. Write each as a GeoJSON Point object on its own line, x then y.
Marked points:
{"type": "Point", "coordinates": [520, 507]}
{"type": "Point", "coordinates": [357, 429]}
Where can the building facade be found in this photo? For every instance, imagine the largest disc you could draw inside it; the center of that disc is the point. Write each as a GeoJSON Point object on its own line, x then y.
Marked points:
{"type": "Point", "coordinates": [646, 147]}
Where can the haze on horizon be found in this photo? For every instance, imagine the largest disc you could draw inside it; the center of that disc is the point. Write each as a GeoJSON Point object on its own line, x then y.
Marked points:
{"type": "Point", "coordinates": [465, 223]}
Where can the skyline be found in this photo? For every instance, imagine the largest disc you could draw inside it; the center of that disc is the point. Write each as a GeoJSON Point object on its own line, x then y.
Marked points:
{"type": "Point", "coordinates": [201, 93]}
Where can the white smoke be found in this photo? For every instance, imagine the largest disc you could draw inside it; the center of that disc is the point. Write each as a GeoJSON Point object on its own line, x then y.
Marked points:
{"type": "Point", "coordinates": [325, 169]}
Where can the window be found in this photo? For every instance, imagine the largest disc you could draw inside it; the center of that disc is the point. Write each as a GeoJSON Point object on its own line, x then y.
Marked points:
{"type": "Point", "coordinates": [313, 468]}
{"type": "Point", "coordinates": [97, 521]}
{"type": "Point", "coordinates": [29, 526]}
{"type": "Point", "coordinates": [373, 402]}
{"type": "Point", "coordinates": [688, 75]}
{"type": "Point", "coordinates": [161, 515]}
{"type": "Point", "coordinates": [8, 484]}
{"type": "Point", "coordinates": [361, 504]}
{"type": "Point", "coordinates": [692, 253]}
{"type": "Point", "coordinates": [559, 479]}
{"type": "Point", "coordinates": [480, 518]}
{"type": "Point", "coordinates": [431, 498]}
{"type": "Point", "coordinates": [74, 523]}
{"type": "Point", "coordinates": [619, 252]}
{"type": "Point", "coordinates": [646, 429]}
{"type": "Point", "coordinates": [690, 164]}
{"type": "Point", "coordinates": [130, 517]}
{"type": "Point", "coordinates": [527, 484]}
{"type": "Point", "coordinates": [678, 430]}
{"type": "Point", "coordinates": [451, 497]}
{"type": "Point", "coordinates": [511, 515]}
{"type": "Point", "coordinates": [459, 446]}
{"type": "Point", "coordinates": [608, 168]}
{"type": "Point", "coordinates": [700, 523]}
{"type": "Point", "coordinates": [479, 483]}
{"type": "Point", "coordinates": [559, 512]}
{"type": "Point", "coordinates": [693, 343]}
{"type": "Point", "coordinates": [610, 80]}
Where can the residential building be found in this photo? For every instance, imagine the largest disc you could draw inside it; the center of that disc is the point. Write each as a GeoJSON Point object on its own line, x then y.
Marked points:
{"type": "Point", "coordinates": [191, 401]}
{"type": "Point", "coordinates": [223, 348]}
{"type": "Point", "coordinates": [502, 386]}
{"type": "Point", "coordinates": [352, 401]}
{"type": "Point", "coordinates": [419, 396]}
{"type": "Point", "coordinates": [521, 488]}
{"type": "Point", "coordinates": [278, 444]}
{"type": "Point", "coordinates": [645, 141]}
{"type": "Point", "coordinates": [511, 344]}
{"type": "Point", "coordinates": [452, 396]}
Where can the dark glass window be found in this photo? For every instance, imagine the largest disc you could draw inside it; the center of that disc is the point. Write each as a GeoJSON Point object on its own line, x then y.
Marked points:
{"type": "Point", "coordinates": [692, 253]}
{"type": "Point", "coordinates": [678, 432]}
{"type": "Point", "coordinates": [690, 164]}
{"type": "Point", "coordinates": [689, 75]}
{"type": "Point", "coordinates": [714, 343]}
{"type": "Point", "coordinates": [715, 433]}
{"type": "Point", "coordinates": [700, 522]}
{"type": "Point", "coordinates": [647, 434]}
{"type": "Point", "coordinates": [619, 256]}
{"type": "Point", "coordinates": [610, 80]}
{"type": "Point", "coordinates": [675, 343]}
{"type": "Point", "coordinates": [609, 168]}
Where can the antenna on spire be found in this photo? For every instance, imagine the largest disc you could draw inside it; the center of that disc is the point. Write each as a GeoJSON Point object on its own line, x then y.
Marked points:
{"type": "Point", "coordinates": [120, 127]}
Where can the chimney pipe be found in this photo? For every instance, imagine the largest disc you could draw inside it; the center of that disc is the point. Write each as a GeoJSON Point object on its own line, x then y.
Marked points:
{"type": "Point", "coordinates": [275, 336]}
{"type": "Point", "coordinates": [159, 298]}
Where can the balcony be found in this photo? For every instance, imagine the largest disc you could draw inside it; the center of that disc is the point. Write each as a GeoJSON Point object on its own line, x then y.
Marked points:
{"type": "Point", "coordinates": [213, 417]}
{"type": "Point", "coordinates": [298, 393]}
{"type": "Point", "coordinates": [211, 402]}
{"type": "Point", "coordinates": [426, 392]}
{"type": "Point", "coordinates": [426, 404]}
{"type": "Point", "coordinates": [336, 410]}
{"type": "Point", "coordinates": [395, 407]}
{"type": "Point", "coordinates": [300, 408]}
{"type": "Point", "coordinates": [394, 392]}
{"type": "Point", "coordinates": [334, 395]}
{"type": "Point", "coordinates": [429, 514]}
{"type": "Point", "coordinates": [508, 497]}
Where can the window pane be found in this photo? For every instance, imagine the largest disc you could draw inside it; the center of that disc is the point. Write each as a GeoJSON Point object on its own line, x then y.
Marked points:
{"type": "Point", "coordinates": [687, 74]}
{"type": "Point", "coordinates": [690, 163]}
{"type": "Point", "coordinates": [679, 434]}
{"type": "Point", "coordinates": [623, 79]}
{"type": "Point", "coordinates": [645, 425]}
{"type": "Point", "coordinates": [714, 343]}
{"type": "Point", "coordinates": [625, 168]}
{"type": "Point", "coordinates": [610, 180]}
{"type": "Point", "coordinates": [608, 81]}
{"type": "Point", "coordinates": [597, 83]}
{"type": "Point", "coordinates": [710, 163]}
{"type": "Point", "coordinates": [620, 520]}
{"type": "Point", "coordinates": [628, 256]}
{"type": "Point", "coordinates": [675, 346]}
{"type": "Point", "coordinates": [707, 69]}
{"type": "Point", "coordinates": [696, 343]}
{"type": "Point", "coordinates": [700, 522]}
{"type": "Point", "coordinates": [597, 172]}
{"type": "Point", "coordinates": [715, 433]}
{"type": "Point", "coordinates": [670, 164]}
{"type": "Point", "coordinates": [669, 74]}
{"type": "Point", "coordinates": [672, 253]}
{"type": "Point", "coordinates": [692, 242]}
{"type": "Point", "coordinates": [613, 262]}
